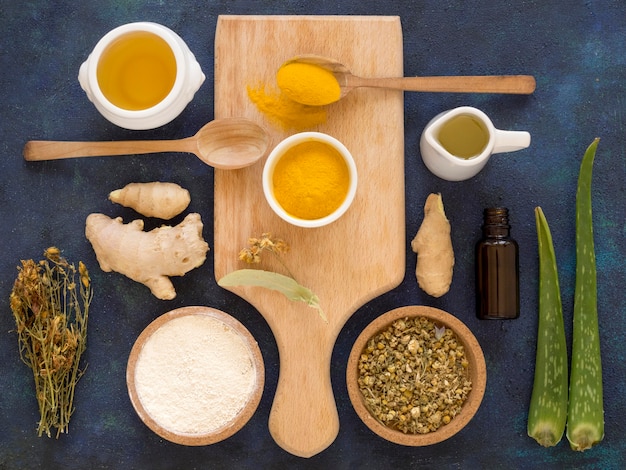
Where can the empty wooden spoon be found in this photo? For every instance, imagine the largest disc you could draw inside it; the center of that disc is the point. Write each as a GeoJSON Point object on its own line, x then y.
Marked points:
{"type": "Point", "coordinates": [227, 144]}
{"type": "Point", "coordinates": [512, 84]}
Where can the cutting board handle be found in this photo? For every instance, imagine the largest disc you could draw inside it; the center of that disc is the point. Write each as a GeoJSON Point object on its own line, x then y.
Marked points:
{"type": "Point", "coordinates": [304, 419]}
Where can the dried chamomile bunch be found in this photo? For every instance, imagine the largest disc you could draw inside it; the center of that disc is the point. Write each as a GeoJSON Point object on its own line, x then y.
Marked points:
{"type": "Point", "coordinates": [50, 304]}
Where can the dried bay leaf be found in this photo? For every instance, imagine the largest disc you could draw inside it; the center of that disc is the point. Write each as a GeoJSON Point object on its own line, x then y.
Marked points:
{"type": "Point", "coordinates": [286, 285]}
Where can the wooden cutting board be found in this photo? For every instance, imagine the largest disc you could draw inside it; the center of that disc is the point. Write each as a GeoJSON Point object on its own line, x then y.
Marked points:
{"type": "Point", "coordinates": [347, 263]}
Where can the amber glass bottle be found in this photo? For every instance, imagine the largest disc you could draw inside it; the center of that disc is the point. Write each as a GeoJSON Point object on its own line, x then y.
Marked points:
{"type": "Point", "coordinates": [497, 268]}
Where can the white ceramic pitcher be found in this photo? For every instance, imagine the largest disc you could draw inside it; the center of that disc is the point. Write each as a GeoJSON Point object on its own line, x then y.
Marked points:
{"type": "Point", "coordinates": [188, 79]}
{"type": "Point", "coordinates": [454, 168]}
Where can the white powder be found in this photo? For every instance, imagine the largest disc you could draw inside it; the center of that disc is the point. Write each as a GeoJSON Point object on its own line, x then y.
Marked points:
{"type": "Point", "coordinates": [194, 374]}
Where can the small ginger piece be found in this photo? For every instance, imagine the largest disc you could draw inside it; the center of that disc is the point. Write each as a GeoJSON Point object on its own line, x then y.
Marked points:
{"type": "Point", "coordinates": [155, 199]}
{"type": "Point", "coordinates": [433, 245]}
{"type": "Point", "coordinates": [148, 257]}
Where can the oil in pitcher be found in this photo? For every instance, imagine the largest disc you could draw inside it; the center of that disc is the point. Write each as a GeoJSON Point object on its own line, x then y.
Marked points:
{"type": "Point", "coordinates": [456, 144]}
{"type": "Point", "coordinates": [464, 136]}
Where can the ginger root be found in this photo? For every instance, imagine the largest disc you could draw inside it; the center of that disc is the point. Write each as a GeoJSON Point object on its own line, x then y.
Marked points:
{"type": "Point", "coordinates": [148, 257]}
{"type": "Point", "coordinates": [155, 199]}
{"type": "Point", "coordinates": [433, 245]}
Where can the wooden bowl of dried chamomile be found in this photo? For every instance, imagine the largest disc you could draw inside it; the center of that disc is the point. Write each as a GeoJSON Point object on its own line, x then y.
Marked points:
{"type": "Point", "coordinates": [195, 376]}
{"type": "Point", "coordinates": [416, 376]}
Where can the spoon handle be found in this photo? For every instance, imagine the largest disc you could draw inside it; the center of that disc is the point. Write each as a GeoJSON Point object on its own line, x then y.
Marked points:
{"type": "Point", "coordinates": [513, 84]}
{"type": "Point", "coordinates": [38, 150]}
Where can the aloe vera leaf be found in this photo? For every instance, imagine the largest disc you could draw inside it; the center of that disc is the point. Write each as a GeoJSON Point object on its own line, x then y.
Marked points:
{"type": "Point", "coordinates": [270, 280]}
{"type": "Point", "coordinates": [585, 424]}
{"type": "Point", "coordinates": [548, 405]}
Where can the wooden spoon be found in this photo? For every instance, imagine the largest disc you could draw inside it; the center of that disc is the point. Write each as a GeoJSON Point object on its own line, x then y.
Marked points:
{"type": "Point", "coordinates": [513, 84]}
{"type": "Point", "coordinates": [228, 144]}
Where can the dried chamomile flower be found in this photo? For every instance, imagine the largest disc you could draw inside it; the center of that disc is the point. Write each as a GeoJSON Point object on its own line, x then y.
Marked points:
{"type": "Point", "coordinates": [53, 254]}
{"type": "Point", "coordinates": [252, 253]}
{"type": "Point", "coordinates": [414, 375]}
{"type": "Point", "coordinates": [84, 274]}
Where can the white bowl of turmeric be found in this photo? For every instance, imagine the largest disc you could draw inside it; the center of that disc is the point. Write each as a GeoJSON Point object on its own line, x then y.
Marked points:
{"type": "Point", "coordinates": [310, 179]}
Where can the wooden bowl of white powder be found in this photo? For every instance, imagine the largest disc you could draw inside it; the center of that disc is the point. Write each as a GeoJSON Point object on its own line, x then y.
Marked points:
{"type": "Point", "coordinates": [195, 376]}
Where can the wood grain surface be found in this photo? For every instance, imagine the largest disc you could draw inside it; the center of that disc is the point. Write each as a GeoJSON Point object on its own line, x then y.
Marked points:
{"type": "Point", "coordinates": [347, 263]}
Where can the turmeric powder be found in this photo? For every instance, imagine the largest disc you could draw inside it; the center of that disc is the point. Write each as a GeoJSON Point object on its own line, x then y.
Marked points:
{"type": "Point", "coordinates": [282, 110]}
{"type": "Point", "coordinates": [311, 180]}
{"type": "Point", "coordinates": [308, 84]}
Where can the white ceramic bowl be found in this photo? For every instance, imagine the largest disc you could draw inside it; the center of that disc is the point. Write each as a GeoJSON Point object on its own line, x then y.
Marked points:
{"type": "Point", "coordinates": [277, 154]}
{"type": "Point", "coordinates": [189, 77]}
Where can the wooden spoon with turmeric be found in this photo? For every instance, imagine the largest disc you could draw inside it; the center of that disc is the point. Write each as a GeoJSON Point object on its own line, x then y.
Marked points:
{"type": "Point", "coordinates": [317, 81]}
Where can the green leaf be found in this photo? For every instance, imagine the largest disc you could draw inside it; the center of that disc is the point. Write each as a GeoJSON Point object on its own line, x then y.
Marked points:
{"type": "Point", "coordinates": [274, 281]}
{"type": "Point", "coordinates": [548, 404]}
{"type": "Point", "coordinates": [585, 415]}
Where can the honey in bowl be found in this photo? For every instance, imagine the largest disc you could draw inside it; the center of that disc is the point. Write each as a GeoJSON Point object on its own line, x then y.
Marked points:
{"type": "Point", "coordinates": [464, 136]}
{"type": "Point", "coordinates": [137, 71]}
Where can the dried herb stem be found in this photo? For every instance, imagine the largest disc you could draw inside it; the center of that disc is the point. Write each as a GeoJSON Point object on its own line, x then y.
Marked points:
{"type": "Point", "coordinates": [51, 312]}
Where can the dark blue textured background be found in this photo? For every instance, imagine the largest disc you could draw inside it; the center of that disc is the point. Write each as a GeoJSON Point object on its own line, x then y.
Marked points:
{"type": "Point", "coordinates": [577, 54]}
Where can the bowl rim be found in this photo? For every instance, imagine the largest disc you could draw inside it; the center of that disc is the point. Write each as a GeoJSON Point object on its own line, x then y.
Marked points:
{"type": "Point", "coordinates": [227, 429]}
{"type": "Point", "coordinates": [280, 149]}
{"type": "Point", "coordinates": [478, 373]}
